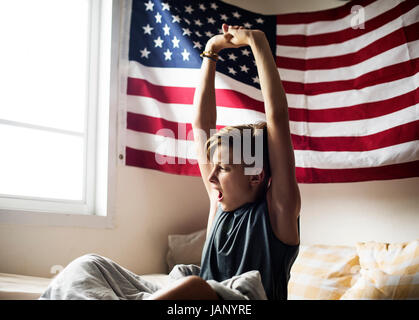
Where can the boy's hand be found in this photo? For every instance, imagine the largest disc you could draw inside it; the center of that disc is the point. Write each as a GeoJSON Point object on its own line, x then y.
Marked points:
{"type": "Point", "coordinates": [232, 37]}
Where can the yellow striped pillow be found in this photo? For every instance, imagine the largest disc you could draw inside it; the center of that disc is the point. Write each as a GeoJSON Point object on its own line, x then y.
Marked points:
{"type": "Point", "coordinates": [323, 272]}
{"type": "Point", "coordinates": [388, 271]}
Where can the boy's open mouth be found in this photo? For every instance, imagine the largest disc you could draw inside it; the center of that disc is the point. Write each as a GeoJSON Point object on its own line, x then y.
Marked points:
{"type": "Point", "coordinates": [220, 195]}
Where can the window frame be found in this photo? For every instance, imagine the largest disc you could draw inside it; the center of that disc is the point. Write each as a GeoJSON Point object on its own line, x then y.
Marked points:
{"type": "Point", "coordinates": [100, 164]}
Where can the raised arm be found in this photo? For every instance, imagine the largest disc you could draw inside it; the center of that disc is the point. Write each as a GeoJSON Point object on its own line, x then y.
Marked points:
{"type": "Point", "coordinates": [206, 115]}
{"type": "Point", "coordinates": [284, 194]}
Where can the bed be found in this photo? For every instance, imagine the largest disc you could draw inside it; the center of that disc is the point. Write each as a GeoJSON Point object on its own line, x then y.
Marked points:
{"type": "Point", "coordinates": [367, 270]}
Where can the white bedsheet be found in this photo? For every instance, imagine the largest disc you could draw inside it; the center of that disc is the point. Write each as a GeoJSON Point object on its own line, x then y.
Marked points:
{"type": "Point", "coordinates": [20, 287]}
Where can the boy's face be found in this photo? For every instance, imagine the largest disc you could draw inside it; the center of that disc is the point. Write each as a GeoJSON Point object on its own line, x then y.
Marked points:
{"type": "Point", "coordinates": [232, 185]}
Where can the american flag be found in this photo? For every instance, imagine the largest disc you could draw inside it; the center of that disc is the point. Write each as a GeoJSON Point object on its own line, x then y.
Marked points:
{"type": "Point", "coordinates": [349, 73]}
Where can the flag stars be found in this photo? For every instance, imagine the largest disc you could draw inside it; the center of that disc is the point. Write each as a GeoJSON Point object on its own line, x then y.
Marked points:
{"type": "Point", "coordinates": [175, 42]}
{"type": "Point", "coordinates": [247, 25]}
{"type": "Point", "coordinates": [165, 6]}
{"type": "Point", "coordinates": [223, 17]}
{"type": "Point", "coordinates": [232, 56]}
{"type": "Point", "coordinates": [188, 9]}
{"type": "Point", "coordinates": [260, 20]}
{"type": "Point", "coordinates": [214, 6]}
{"type": "Point", "coordinates": [209, 34]}
{"type": "Point", "coordinates": [232, 71]}
{"type": "Point", "coordinates": [244, 68]}
{"type": "Point", "coordinates": [198, 22]}
{"type": "Point", "coordinates": [158, 17]}
{"type": "Point", "coordinates": [245, 52]}
{"type": "Point", "coordinates": [186, 31]}
{"type": "Point", "coordinates": [198, 33]}
{"type": "Point", "coordinates": [187, 21]}
{"type": "Point", "coordinates": [166, 30]}
{"type": "Point", "coordinates": [167, 55]}
{"type": "Point", "coordinates": [256, 79]}
{"type": "Point", "coordinates": [147, 29]}
{"type": "Point", "coordinates": [145, 53]}
{"type": "Point", "coordinates": [211, 20]}
{"type": "Point", "coordinates": [158, 42]}
{"type": "Point", "coordinates": [185, 54]}
{"type": "Point", "coordinates": [197, 44]}
{"type": "Point", "coordinates": [236, 15]}
{"type": "Point", "coordinates": [175, 18]}
{"type": "Point", "coordinates": [149, 6]}
{"type": "Point", "coordinates": [202, 7]}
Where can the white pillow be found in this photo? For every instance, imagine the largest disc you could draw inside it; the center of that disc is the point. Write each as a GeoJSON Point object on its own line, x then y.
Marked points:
{"type": "Point", "coordinates": [185, 248]}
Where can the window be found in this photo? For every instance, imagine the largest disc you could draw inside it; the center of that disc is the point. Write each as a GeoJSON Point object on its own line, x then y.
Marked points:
{"type": "Point", "coordinates": [56, 105]}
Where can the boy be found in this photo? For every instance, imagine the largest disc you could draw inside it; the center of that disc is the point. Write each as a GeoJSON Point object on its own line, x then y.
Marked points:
{"type": "Point", "coordinates": [253, 222]}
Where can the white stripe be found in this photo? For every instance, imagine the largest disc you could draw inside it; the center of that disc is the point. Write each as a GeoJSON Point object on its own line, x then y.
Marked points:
{"type": "Point", "coordinates": [170, 77]}
{"type": "Point", "coordinates": [187, 78]}
{"type": "Point", "coordinates": [355, 128]}
{"type": "Point", "coordinates": [232, 116]}
{"type": "Point", "coordinates": [400, 153]}
{"type": "Point", "coordinates": [349, 46]}
{"type": "Point", "coordinates": [184, 113]}
{"type": "Point", "coordinates": [387, 58]}
{"type": "Point", "coordinates": [378, 92]}
{"type": "Point", "coordinates": [371, 11]}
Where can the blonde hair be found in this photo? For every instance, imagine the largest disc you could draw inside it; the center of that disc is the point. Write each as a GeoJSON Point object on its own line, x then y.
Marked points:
{"type": "Point", "coordinates": [236, 132]}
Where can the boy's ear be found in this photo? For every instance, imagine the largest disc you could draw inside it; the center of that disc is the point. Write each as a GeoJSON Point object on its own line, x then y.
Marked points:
{"type": "Point", "coordinates": [257, 178]}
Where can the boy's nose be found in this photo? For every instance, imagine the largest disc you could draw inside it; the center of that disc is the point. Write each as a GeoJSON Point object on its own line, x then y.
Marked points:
{"type": "Point", "coordinates": [212, 177]}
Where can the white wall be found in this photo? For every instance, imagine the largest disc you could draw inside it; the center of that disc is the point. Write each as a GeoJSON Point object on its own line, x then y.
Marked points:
{"type": "Point", "coordinates": [150, 205]}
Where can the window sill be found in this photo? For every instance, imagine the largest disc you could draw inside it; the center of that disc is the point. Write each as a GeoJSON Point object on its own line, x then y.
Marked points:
{"type": "Point", "coordinates": [56, 219]}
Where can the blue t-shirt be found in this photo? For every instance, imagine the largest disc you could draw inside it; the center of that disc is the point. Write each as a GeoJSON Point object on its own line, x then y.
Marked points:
{"type": "Point", "coordinates": [243, 240]}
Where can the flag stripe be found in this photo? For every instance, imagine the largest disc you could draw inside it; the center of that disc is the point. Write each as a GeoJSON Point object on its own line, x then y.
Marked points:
{"type": "Point", "coordinates": [146, 159]}
{"type": "Point", "coordinates": [390, 57]}
{"type": "Point", "coordinates": [394, 171]}
{"type": "Point", "coordinates": [182, 95]}
{"type": "Point", "coordinates": [370, 11]}
{"type": "Point", "coordinates": [185, 114]}
{"type": "Point", "coordinates": [357, 112]}
{"type": "Point", "coordinates": [338, 99]}
{"type": "Point", "coordinates": [350, 46]}
{"type": "Point", "coordinates": [327, 38]}
{"type": "Point", "coordinates": [323, 15]}
{"type": "Point", "coordinates": [403, 152]}
{"type": "Point", "coordinates": [183, 131]}
{"type": "Point", "coordinates": [392, 40]}
{"type": "Point", "coordinates": [390, 73]}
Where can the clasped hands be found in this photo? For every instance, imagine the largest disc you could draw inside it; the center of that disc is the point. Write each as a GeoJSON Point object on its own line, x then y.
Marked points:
{"type": "Point", "coordinates": [233, 37]}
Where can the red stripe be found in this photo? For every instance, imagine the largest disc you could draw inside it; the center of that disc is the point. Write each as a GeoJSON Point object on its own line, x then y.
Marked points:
{"type": "Point", "coordinates": [147, 124]}
{"type": "Point", "coordinates": [356, 112]}
{"type": "Point", "coordinates": [184, 95]}
{"type": "Point", "coordinates": [394, 171]}
{"type": "Point", "coordinates": [386, 74]}
{"type": "Point", "coordinates": [323, 15]}
{"type": "Point", "coordinates": [183, 131]}
{"type": "Point", "coordinates": [302, 40]}
{"type": "Point", "coordinates": [393, 136]}
{"type": "Point", "coordinates": [146, 159]}
{"type": "Point", "coordinates": [392, 40]}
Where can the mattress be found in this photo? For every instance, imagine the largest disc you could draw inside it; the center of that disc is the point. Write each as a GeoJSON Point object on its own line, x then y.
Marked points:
{"type": "Point", "coordinates": [20, 287]}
